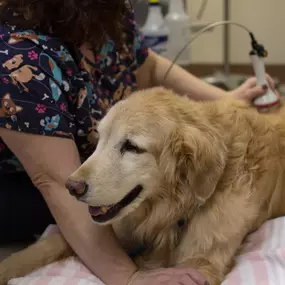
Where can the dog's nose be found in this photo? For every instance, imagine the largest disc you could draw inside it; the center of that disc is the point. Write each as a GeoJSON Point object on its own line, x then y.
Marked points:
{"type": "Point", "coordinates": [77, 188]}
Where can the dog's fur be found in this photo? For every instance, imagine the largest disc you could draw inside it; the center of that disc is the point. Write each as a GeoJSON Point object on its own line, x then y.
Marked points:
{"type": "Point", "coordinates": [218, 166]}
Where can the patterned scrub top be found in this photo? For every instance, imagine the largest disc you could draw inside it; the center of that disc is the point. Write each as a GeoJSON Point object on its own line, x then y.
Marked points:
{"type": "Point", "coordinates": [46, 89]}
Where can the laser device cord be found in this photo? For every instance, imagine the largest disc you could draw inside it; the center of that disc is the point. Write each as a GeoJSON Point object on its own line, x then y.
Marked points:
{"type": "Point", "coordinates": [256, 47]}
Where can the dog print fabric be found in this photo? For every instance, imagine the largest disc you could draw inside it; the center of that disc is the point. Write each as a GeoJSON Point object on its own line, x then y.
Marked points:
{"type": "Point", "coordinates": [47, 89]}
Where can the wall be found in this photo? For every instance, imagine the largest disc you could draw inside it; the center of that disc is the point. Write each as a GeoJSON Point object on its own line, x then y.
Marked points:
{"type": "Point", "coordinates": [266, 18]}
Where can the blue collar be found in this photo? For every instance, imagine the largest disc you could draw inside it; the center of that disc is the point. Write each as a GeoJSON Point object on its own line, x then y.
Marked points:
{"type": "Point", "coordinates": [137, 251]}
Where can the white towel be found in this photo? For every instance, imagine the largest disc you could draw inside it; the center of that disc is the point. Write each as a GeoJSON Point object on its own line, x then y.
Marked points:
{"type": "Point", "coordinates": [261, 262]}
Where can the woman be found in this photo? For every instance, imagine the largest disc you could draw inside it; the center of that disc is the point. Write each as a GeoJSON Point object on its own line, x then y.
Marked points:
{"type": "Point", "coordinates": [64, 63]}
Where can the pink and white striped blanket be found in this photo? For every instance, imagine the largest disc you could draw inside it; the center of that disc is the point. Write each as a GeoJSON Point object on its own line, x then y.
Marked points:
{"type": "Point", "coordinates": [261, 262]}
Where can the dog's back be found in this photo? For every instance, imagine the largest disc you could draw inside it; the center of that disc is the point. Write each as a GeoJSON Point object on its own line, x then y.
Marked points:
{"type": "Point", "coordinates": [277, 162]}
{"type": "Point", "coordinates": [262, 137]}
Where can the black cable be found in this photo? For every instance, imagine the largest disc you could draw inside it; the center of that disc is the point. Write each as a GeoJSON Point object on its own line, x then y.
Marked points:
{"type": "Point", "coordinates": [258, 48]}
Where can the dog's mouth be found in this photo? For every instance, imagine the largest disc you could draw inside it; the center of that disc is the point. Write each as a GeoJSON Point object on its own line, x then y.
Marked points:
{"type": "Point", "coordinates": [105, 213]}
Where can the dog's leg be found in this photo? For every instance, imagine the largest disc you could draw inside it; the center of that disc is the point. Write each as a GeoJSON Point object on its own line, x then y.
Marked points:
{"type": "Point", "coordinates": [214, 237]}
{"type": "Point", "coordinates": [24, 86]}
{"type": "Point", "coordinates": [213, 256]}
{"type": "Point", "coordinates": [41, 253]}
{"type": "Point", "coordinates": [211, 272]}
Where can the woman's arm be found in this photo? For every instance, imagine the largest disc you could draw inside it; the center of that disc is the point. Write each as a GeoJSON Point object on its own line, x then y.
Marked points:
{"type": "Point", "coordinates": [49, 161]}
{"type": "Point", "coordinates": [152, 73]}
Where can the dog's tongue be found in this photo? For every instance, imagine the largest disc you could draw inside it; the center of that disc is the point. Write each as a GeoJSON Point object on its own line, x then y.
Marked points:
{"type": "Point", "coordinates": [97, 211]}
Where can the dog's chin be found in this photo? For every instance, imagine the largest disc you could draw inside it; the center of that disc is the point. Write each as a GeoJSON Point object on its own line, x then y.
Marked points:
{"type": "Point", "coordinates": [106, 214]}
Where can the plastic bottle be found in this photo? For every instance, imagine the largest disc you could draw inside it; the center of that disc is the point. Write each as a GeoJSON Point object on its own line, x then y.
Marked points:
{"type": "Point", "coordinates": [154, 30]}
{"type": "Point", "coordinates": [179, 27]}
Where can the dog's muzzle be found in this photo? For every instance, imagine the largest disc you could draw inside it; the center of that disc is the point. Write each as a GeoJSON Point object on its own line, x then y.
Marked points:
{"type": "Point", "coordinates": [105, 213]}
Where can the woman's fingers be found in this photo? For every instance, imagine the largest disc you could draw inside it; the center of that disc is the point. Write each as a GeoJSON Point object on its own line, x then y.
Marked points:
{"type": "Point", "coordinates": [270, 81]}
{"type": "Point", "coordinates": [168, 276]}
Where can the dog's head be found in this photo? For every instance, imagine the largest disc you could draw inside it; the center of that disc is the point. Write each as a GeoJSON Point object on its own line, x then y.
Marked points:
{"type": "Point", "coordinates": [147, 148]}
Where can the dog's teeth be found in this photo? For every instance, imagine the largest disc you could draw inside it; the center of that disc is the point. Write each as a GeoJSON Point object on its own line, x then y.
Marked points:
{"type": "Point", "coordinates": [97, 211]}
{"type": "Point", "coordinates": [104, 209]}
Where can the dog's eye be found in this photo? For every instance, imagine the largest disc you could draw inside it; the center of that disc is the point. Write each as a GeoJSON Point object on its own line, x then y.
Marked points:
{"type": "Point", "coordinates": [128, 146]}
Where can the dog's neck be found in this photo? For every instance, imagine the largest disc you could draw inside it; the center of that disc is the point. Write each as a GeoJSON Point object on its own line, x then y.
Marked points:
{"type": "Point", "coordinates": [153, 227]}
{"type": "Point", "coordinates": [210, 116]}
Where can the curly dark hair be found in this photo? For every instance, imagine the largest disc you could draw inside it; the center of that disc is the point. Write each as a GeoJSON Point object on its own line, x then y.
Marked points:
{"type": "Point", "coordinates": [73, 21]}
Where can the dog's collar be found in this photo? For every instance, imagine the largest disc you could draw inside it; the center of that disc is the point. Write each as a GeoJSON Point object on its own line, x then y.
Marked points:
{"type": "Point", "coordinates": [181, 223]}
{"type": "Point", "coordinates": [141, 248]}
{"type": "Point", "coordinates": [137, 251]}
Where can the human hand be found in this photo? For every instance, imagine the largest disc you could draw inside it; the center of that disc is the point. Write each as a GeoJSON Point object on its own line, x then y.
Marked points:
{"type": "Point", "coordinates": [249, 90]}
{"type": "Point", "coordinates": [168, 276]}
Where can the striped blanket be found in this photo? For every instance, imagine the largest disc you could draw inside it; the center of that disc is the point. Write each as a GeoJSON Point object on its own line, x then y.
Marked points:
{"type": "Point", "coordinates": [260, 262]}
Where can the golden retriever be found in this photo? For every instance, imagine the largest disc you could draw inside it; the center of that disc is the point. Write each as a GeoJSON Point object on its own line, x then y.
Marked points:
{"type": "Point", "coordinates": [185, 180]}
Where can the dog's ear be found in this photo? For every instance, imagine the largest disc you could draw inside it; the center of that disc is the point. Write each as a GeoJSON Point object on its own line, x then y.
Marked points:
{"type": "Point", "coordinates": [194, 160]}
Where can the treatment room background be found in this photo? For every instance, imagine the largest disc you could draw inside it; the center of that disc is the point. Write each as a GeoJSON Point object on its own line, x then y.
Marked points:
{"type": "Point", "coordinates": [266, 18]}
